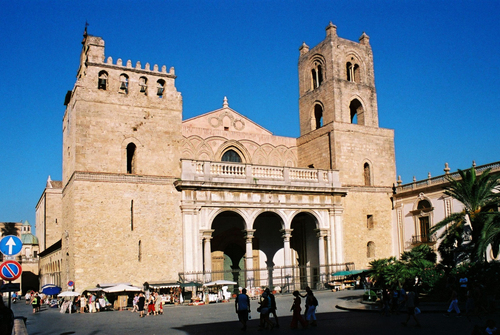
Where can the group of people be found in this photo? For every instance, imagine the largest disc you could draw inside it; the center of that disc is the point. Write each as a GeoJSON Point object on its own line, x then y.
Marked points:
{"type": "Point", "coordinates": [267, 306]}
{"type": "Point", "coordinates": [154, 304]}
{"type": "Point", "coordinates": [91, 304]}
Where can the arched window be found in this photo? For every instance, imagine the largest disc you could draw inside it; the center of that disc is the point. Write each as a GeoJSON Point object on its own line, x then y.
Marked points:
{"type": "Point", "coordinates": [161, 88]}
{"type": "Point", "coordinates": [356, 73]}
{"type": "Point", "coordinates": [316, 74]}
{"type": "Point", "coordinates": [424, 206]}
{"type": "Point", "coordinates": [231, 156]}
{"type": "Point", "coordinates": [352, 72]}
{"type": "Point", "coordinates": [143, 83]}
{"type": "Point", "coordinates": [124, 83]}
{"type": "Point", "coordinates": [318, 116]}
{"type": "Point", "coordinates": [367, 174]}
{"type": "Point", "coordinates": [102, 82]}
{"type": "Point", "coordinates": [370, 250]}
{"type": "Point", "coordinates": [348, 71]}
{"type": "Point", "coordinates": [357, 112]}
{"type": "Point", "coordinates": [131, 158]}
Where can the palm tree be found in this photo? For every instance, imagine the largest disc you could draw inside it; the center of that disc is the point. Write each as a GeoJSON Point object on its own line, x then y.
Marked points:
{"type": "Point", "coordinates": [464, 230]}
{"type": "Point", "coordinates": [9, 228]}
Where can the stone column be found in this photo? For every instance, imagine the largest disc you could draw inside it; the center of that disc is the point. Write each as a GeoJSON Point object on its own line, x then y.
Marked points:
{"type": "Point", "coordinates": [336, 230]}
{"type": "Point", "coordinates": [287, 234]}
{"type": "Point", "coordinates": [321, 233]}
{"type": "Point", "coordinates": [207, 236]}
{"type": "Point", "coordinates": [249, 275]}
{"type": "Point", "coordinates": [192, 257]}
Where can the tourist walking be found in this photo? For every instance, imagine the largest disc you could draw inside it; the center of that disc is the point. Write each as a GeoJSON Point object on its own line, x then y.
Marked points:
{"type": "Point", "coordinates": [453, 304]}
{"type": "Point", "coordinates": [151, 305]}
{"type": "Point", "coordinates": [83, 303]}
{"type": "Point", "coordinates": [134, 303]}
{"type": "Point", "coordinates": [297, 317]}
{"type": "Point", "coordinates": [242, 307]}
{"type": "Point", "coordinates": [140, 305]}
{"type": "Point", "coordinates": [312, 304]}
{"type": "Point", "coordinates": [273, 308]}
{"type": "Point", "coordinates": [158, 302]}
{"type": "Point", "coordinates": [410, 306]}
{"type": "Point", "coordinates": [265, 306]}
{"type": "Point", "coordinates": [34, 303]}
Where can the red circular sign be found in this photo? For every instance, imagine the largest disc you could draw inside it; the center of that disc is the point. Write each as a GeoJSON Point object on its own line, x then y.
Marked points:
{"type": "Point", "coordinates": [10, 270]}
{"type": "Point", "coordinates": [71, 283]}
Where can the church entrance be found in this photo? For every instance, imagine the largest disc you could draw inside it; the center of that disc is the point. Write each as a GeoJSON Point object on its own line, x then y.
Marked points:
{"type": "Point", "coordinates": [228, 247]}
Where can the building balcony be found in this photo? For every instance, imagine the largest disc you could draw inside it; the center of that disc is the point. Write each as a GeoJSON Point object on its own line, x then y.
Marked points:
{"type": "Point", "coordinates": [240, 175]}
{"type": "Point", "coordinates": [417, 240]}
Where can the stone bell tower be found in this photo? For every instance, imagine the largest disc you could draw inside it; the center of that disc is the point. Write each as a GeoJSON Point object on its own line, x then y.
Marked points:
{"type": "Point", "coordinates": [121, 135]}
{"type": "Point", "coordinates": [340, 131]}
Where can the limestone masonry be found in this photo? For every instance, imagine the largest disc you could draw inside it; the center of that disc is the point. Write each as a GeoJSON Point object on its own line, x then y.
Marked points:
{"type": "Point", "coordinates": [148, 197]}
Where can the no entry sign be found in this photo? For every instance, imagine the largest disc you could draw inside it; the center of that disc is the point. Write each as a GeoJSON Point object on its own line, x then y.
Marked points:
{"type": "Point", "coordinates": [10, 270]}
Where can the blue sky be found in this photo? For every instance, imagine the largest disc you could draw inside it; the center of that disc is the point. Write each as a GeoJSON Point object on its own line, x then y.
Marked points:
{"type": "Point", "coordinates": [436, 72]}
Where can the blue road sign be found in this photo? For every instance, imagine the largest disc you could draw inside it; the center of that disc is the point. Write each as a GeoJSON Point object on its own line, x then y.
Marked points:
{"type": "Point", "coordinates": [10, 270]}
{"type": "Point", "coordinates": [11, 245]}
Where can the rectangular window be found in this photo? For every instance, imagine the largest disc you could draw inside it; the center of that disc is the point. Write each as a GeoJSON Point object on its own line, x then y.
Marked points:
{"type": "Point", "coordinates": [369, 222]}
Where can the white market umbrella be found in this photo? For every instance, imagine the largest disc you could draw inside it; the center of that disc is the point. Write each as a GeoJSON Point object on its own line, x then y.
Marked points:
{"type": "Point", "coordinates": [68, 294]}
{"type": "Point", "coordinates": [122, 288]}
{"type": "Point", "coordinates": [220, 283]}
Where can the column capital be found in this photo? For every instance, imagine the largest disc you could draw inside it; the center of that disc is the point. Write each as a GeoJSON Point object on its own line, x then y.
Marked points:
{"type": "Point", "coordinates": [286, 234]}
{"type": "Point", "coordinates": [248, 233]}
{"type": "Point", "coordinates": [321, 232]}
{"type": "Point", "coordinates": [207, 234]}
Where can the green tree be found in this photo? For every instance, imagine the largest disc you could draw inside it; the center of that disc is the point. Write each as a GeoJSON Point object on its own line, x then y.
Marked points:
{"type": "Point", "coordinates": [9, 228]}
{"type": "Point", "coordinates": [390, 272]}
{"type": "Point", "coordinates": [464, 230]}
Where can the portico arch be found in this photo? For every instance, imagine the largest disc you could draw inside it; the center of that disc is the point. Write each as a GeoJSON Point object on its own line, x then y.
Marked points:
{"type": "Point", "coordinates": [227, 246]}
{"type": "Point", "coordinates": [305, 251]}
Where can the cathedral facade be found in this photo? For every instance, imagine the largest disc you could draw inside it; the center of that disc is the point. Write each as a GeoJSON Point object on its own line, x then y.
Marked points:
{"type": "Point", "coordinates": [146, 196]}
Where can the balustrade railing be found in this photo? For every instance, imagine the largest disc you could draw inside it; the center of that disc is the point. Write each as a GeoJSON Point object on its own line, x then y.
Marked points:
{"type": "Point", "coordinates": [257, 174]}
{"type": "Point", "coordinates": [495, 167]}
{"type": "Point", "coordinates": [419, 239]}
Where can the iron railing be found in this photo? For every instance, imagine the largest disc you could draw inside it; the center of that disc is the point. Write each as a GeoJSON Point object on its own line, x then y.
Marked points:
{"type": "Point", "coordinates": [283, 279]}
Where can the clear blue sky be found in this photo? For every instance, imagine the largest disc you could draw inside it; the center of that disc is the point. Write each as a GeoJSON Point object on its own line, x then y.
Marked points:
{"type": "Point", "coordinates": [436, 70]}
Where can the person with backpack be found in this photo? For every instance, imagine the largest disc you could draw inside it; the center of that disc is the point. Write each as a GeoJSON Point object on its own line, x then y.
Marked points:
{"type": "Point", "coordinates": [311, 304]}
{"type": "Point", "coordinates": [273, 308]}
{"type": "Point", "coordinates": [265, 306]}
{"type": "Point", "coordinates": [34, 303]}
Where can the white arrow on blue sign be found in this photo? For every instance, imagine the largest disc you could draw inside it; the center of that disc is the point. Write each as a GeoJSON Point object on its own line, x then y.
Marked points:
{"type": "Point", "coordinates": [11, 245]}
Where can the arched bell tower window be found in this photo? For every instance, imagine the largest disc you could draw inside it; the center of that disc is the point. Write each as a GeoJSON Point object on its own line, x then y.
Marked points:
{"type": "Point", "coordinates": [124, 83]}
{"type": "Point", "coordinates": [318, 116]}
{"type": "Point", "coordinates": [102, 82]}
{"type": "Point", "coordinates": [352, 71]}
{"type": "Point", "coordinates": [131, 153]}
{"type": "Point", "coordinates": [367, 174]}
{"type": "Point", "coordinates": [316, 74]}
{"type": "Point", "coordinates": [357, 112]}
{"type": "Point", "coordinates": [143, 83]}
{"type": "Point", "coordinates": [231, 156]}
{"type": "Point", "coordinates": [160, 84]}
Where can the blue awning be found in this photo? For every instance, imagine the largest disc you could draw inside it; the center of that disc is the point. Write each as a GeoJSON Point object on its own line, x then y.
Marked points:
{"type": "Point", "coordinates": [347, 273]}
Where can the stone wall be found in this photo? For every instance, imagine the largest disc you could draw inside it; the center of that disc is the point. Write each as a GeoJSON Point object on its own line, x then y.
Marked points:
{"type": "Point", "coordinates": [358, 205]}
{"type": "Point", "coordinates": [122, 231]}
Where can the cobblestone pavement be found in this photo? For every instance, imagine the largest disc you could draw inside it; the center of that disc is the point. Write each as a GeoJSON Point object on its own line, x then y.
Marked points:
{"type": "Point", "coordinates": [353, 318]}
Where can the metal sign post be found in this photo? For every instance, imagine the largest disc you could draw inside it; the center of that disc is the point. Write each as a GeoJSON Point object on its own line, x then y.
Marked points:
{"type": "Point", "coordinates": [10, 245]}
